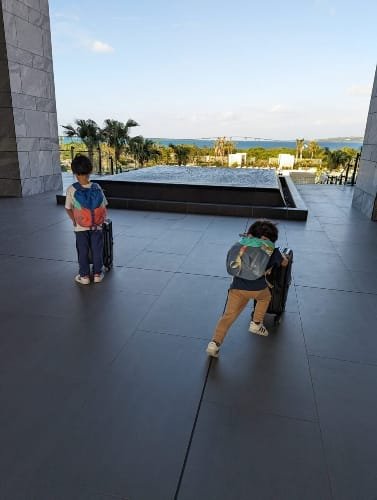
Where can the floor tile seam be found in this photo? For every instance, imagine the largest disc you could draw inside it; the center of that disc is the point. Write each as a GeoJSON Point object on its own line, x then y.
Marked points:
{"type": "Point", "coordinates": [343, 360]}
{"type": "Point", "coordinates": [192, 433]}
{"type": "Point", "coordinates": [140, 321]}
{"type": "Point", "coordinates": [48, 226]}
{"type": "Point", "coordinates": [122, 347]}
{"type": "Point", "coordinates": [193, 248]}
{"type": "Point", "coordinates": [170, 334]}
{"type": "Point", "coordinates": [34, 257]}
{"type": "Point", "coordinates": [160, 252]}
{"type": "Point", "coordinates": [259, 411]}
{"type": "Point", "coordinates": [360, 292]}
{"type": "Point", "coordinates": [184, 230]}
{"type": "Point", "coordinates": [204, 236]}
{"type": "Point", "coordinates": [172, 272]}
{"type": "Point", "coordinates": [316, 406]}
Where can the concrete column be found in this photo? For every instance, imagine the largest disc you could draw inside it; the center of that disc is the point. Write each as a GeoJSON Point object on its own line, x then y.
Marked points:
{"type": "Point", "coordinates": [29, 146]}
{"type": "Point", "coordinates": [365, 191]}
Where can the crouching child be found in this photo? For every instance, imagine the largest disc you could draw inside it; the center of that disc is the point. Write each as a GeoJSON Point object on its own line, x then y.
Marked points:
{"type": "Point", "coordinates": [248, 262]}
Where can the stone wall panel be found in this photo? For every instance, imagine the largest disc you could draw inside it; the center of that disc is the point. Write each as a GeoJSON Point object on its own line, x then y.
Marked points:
{"type": "Point", "coordinates": [24, 164]}
{"type": "Point", "coordinates": [20, 56]}
{"type": "Point", "coordinates": [39, 19]}
{"type": "Point", "coordinates": [16, 8]}
{"type": "Point", "coordinates": [28, 144]}
{"type": "Point", "coordinates": [37, 123]}
{"type": "Point", "coordinates": [29, 37]}
{"type": "Point", "coordinates": [43, 5]}
{"type": "Point", "coordinates": [5, 101]}
{"type": "Point", "coordinates": [45, 105]}
{"type": "Point", "coordinates": [53, 182]}
{"type": "Point", "coordinates": [7, 144]}
{"type": "Point", "coordinates": [10, 28]}
{"type": "Point", "coordinates": [23, 101]}
{"type": "Point", "coordinates": [35, 82]}
{"type": "Point", "coordinates": [32, 185]}
{"type": "Point", "coordinates": [15, 77]}
{"type": "Point", "coordinates": [9, 168]}
{"type": "Point", "coordinates": [42, 63]}
{"type": "Point", "coordinates": [366, 185]}
{"type": "Point", "coordinates": [10, 187]}
{"type": "Point", "coordinates": [34, 4]}
{"type": "Point", "coordinates": [40, 163]}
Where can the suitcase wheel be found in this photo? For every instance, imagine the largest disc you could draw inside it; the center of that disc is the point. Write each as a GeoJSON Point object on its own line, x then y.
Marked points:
{"type": "Point", "coordinates": [277, 319]}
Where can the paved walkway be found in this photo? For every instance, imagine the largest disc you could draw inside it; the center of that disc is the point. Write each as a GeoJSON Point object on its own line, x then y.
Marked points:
{"type": "Point", "coordinates": [106, 391]}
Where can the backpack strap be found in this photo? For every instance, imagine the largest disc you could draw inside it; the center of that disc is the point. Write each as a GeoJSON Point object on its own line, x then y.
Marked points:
{"type": "Point", "coordinates": [267, 273]}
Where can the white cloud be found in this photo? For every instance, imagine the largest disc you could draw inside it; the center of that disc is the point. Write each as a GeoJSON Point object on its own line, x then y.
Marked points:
{"type": "Point", "coordinates": [359, 90]}
{"type": "Point", "coordinates": [276, 108]}
{"type": "Point", "coordinates": [100, 47]}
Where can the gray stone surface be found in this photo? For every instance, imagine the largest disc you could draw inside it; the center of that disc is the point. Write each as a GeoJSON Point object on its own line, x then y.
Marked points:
{"type": "Point", "coordinates": [203, 176]}
{"type": "Point", "coordinates": [365, 195]}
{"type": "Point", "coordinates": [27, 99]}
{"type": "Point", "coordinates": [107, 385]}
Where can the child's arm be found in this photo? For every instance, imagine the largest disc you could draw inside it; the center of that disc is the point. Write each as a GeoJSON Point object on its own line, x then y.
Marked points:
{"type": "Point", "coordinates": [68, 205]}
{"type": "Point", "coordinates": [70, 215]}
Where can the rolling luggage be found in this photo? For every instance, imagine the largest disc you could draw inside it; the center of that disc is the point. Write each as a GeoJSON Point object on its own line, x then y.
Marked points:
{"type": "Point", "coordinates": [280, 279]}
{"type": "Point", "coordinates": [107, 231]}
{"type": "Point", "coordinates": [107, 228]}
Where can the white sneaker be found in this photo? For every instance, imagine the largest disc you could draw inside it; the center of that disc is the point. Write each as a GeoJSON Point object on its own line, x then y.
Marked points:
{"type": "Point", "coordinates": [83, 280]}
{"type": "Point", "coordinates": [258, 329]}
{"type": "Point", "coordinates": [98, 278]}
{"type": "Point", "coordinates": [213, 349]}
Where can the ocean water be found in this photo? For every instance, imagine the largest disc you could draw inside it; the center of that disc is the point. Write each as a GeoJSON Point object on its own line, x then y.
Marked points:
{"type": "Point", "coordinates": [208, 143]}
{"type": "Point", "coordinates": [266, 144]}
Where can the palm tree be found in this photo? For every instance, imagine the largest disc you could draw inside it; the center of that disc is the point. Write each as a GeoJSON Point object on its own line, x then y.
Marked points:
{"type": "Point", "coordinates": [223, 147]}
{"type": "Point", "coordinates": [117, 136]}
{"type": "Point", "coordinates": [219, 148]}
{"type": "Point", "coordinates": [299, 148]}
{"type": "Point", "coordinates": [313, 148]}
{"type": "Point", "coordinates": [88, 131]}
{"type": "Point", "coordinates": [143, 150]}
{"type": "Point", "coordinates": [182, 153]}
{"type": "Point", "coordinates": [337, 158]}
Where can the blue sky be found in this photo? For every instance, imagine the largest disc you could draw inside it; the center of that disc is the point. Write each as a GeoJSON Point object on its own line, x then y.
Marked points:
{"type": "Point", "coordinates": [195, 69]}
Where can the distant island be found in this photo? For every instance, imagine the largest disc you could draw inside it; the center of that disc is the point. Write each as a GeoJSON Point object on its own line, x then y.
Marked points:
{"type": "Point", "coordinates": [341, 139]}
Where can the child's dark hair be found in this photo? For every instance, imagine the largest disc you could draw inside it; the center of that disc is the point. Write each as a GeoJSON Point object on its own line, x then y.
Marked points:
{"type": "Point", "coordinates": [81, 165]}
{"type": "Point", "coordinates": [264, 228]}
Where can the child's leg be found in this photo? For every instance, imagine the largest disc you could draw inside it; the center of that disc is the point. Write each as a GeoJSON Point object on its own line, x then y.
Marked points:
{"type": "Point", "coordinates": [82, 245]}
{"type": "Point", "coordinates": [236, 302]}
{"type": "Point", "coordinates": [96, 243]}
{"type": "Point", "coordinates": [263, 298]}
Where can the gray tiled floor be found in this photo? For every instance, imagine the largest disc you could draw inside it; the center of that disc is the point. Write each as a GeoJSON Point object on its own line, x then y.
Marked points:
{"type": "Point", "coordinates": [106, 391]}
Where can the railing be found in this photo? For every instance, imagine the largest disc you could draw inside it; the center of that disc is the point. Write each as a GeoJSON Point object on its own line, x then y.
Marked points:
{"type": "Point", "coordinates": [102, 163]}
{"type": "Point", "coordinates": [347, 177]}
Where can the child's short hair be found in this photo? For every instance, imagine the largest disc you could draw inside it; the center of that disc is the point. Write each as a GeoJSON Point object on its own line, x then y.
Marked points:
{"type": "Point", "coordinates": [264, 228]}
{"type": "Point", "coordinates": [81, 165]}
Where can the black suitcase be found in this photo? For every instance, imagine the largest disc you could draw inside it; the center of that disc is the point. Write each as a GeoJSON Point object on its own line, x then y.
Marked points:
{"type": "Point", "coordinates": [280, 279]}
{"type": "Point", "coordinates": [107, 228]}
{"type": "Point", "coordinates": [107, 231]}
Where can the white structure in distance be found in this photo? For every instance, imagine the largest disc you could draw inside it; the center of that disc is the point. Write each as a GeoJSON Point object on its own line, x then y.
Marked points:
{"type": "Point", "coordinates": [286, 160]}
{"type": "Point", "coordinates": [238, 159]}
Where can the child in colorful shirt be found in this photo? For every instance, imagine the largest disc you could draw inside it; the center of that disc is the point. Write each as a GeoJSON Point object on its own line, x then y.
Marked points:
{"type": "Point", "coordinates": [86, 206]}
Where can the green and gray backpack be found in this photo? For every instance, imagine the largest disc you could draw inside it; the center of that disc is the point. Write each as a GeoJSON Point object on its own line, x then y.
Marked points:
{"type": "Point", "coordinates": [248, 258]}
